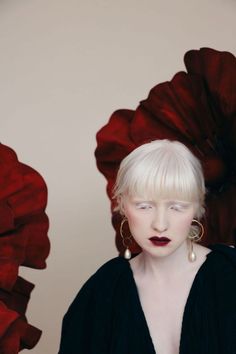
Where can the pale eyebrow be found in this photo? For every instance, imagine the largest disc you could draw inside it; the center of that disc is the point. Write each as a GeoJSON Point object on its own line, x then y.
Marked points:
{"type": "Point", "coordinates": [141, 201]}
{"type": "Point", "coordinates": [168, 203]}
{"type": "Point", "coordinates": [138, 201]}
{"type": "Point", "coordinates": [179, 202]}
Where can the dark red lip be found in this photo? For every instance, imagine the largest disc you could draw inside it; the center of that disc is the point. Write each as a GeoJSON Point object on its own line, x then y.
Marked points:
{"type": "Point", "coordinates": [156, 238]}
{"type": "Point", "coordinates": [159, 241]}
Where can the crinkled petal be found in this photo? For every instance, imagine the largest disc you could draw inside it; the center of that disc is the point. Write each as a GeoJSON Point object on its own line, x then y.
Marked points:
{"type": "Point", "coordinates": [218, 72]}
{"type": "Point", "coordinates": [17, 299]}
{"type": "Point", "coordinates": [23, 241]}
{"type": "Point", "coordinates": [20, 335]}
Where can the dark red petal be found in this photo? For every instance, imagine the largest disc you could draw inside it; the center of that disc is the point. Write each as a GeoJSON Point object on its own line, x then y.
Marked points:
{"type": "Point", "coordinates": [23, 241]}
{"type": "Point", "coordinates": [197, 108]}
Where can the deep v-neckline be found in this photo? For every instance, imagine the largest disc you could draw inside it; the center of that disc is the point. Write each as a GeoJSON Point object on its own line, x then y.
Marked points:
{"type": "Point", "coordinates": [187, 306]}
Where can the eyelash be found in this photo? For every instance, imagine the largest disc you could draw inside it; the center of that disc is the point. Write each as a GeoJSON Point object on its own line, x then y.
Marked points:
{"type": "Point", "coordinates": [143, 206]}
{"type": "Point", "coordinates": [176, 208]}
{"type": "Point", "coordinates": [149, 206]}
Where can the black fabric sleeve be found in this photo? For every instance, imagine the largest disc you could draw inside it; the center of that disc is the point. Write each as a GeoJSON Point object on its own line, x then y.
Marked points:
{"type": "Point", "coordinates": [87, 325]}
{"type": "Point", "coordinates": [76, 322]}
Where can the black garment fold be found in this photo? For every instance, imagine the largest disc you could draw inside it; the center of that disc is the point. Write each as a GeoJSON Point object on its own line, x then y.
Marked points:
{"type": "Point", "coordinates": [106, 317]}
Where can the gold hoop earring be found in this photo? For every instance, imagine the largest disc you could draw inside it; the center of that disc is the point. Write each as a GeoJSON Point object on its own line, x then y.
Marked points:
{"type": "Point", "coordinates": [197, 231]}
{"type": "Point", "coordinates": [196, 235]}
{"type": "Point", "coordinates": [125, 240]}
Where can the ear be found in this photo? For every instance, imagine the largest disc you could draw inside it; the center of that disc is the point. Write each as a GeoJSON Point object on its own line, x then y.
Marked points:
{"type": "Point", "coordinates": [199, 211]}
{"type": "Point", "coordinates": [122, 208]}
{"type": "Point", "coordinates": [121, 203]}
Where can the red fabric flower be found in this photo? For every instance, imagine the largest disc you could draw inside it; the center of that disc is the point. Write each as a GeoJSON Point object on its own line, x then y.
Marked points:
{"type": "Point", "coordinates": [20, 335]}
{"type": "Point", "coordinates": [23, 242]}
{"type": "Point", "coordinates": [198, 108]}
{"type": "Point", "coordinates": [15, 332]}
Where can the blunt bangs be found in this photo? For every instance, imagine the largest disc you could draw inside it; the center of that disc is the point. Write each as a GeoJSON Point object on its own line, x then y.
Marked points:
{"type": "Point", "coordinates": [165, 180]}
{"type": "Point", "coordinates": [161, 169]}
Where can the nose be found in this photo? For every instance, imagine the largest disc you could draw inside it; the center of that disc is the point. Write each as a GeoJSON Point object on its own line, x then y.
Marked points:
{"type": "Point", "coordinates": [160, 221]}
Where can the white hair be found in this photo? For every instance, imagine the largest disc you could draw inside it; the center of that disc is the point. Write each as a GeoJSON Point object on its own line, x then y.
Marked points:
{"type": "Point", "coordinates": [161, 169]}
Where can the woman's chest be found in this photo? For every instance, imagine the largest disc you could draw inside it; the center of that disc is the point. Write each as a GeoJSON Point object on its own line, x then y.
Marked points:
{"type": "Point", "coordinates": [164, 311]}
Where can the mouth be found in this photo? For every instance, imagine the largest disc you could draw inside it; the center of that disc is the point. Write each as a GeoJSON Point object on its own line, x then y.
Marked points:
{"type": "Point", "coordinates": [159, 241]}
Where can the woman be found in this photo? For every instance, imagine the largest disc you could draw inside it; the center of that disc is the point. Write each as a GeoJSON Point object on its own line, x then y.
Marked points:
{"type": "Point", "coordinates": [176, 296]}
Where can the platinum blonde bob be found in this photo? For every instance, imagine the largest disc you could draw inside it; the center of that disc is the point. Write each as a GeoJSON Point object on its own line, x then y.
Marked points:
{"type": "Point", "coordinates": [161, 169]}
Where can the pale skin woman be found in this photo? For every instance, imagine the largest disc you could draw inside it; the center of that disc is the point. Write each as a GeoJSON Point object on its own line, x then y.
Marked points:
{"type": "Point", "coordinates": [163, 274]}
{"type": "Point", "coordinates": [162, 271]}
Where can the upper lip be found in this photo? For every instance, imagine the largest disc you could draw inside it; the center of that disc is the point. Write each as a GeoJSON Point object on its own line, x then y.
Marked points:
{"type": "Point", "coordinates": [156, 238]}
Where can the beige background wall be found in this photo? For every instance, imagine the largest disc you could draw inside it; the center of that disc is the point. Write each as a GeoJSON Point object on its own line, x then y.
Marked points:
{"type": "Point", "coordinates": [65, 66]}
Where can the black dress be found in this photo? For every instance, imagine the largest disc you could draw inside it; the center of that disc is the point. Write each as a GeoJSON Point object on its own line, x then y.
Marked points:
{"type": "Point", "coordinates": [106, 316]}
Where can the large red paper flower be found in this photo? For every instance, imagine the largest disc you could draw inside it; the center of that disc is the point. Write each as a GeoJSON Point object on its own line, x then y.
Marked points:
{"type": "Point", "coordinates": [23, 242]}
{"type": "Point", "coordinates": [198, 108]}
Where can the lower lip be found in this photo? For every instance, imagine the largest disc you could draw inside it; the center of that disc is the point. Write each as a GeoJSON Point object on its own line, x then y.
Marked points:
{"type": "Point", "coordinates": [159, 243]}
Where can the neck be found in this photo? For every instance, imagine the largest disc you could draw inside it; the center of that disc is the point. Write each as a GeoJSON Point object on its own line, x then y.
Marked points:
{"type": "Point", "coordinates": [167, 266]}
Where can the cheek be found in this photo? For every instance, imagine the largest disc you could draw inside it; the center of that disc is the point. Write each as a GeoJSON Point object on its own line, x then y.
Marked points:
{"type": "Point", "coordinates": [136, 221]}
{"type": "Point", "coordinates": [184, 223]}
{"type": "Point", "coordinates": [132, 218]}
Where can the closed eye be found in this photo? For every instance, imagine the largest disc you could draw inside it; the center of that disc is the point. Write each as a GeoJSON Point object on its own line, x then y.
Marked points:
{"type": "Point", "coordinates": [178, 207]}
{"type": "Point", "coordinates": [143, 206]}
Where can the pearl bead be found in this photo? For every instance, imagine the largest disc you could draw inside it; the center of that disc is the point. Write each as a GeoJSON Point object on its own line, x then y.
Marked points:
{"type": "Point", "coordinates": [127, 254]}
{"type": "Point", "coordinates": [192, 256]}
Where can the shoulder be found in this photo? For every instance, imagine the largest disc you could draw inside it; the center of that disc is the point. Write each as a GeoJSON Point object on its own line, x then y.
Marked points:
{"type": "Point", "coordinates": [110, 272]}
{"type": "Point", "coordinates": [104, 279]}
{"type": "Point", "coordinates": [220, 282]}
{"type": "Point", "coordinates": [221, 267]}
{"type": "Point", "coordinates": [100, 287]}
{"type": "Point", "coordinates": [111, 266]}
{"type": "Point", "coordinates": [90, 313]}
{"type": "Point", "coordinates": [224, 253]}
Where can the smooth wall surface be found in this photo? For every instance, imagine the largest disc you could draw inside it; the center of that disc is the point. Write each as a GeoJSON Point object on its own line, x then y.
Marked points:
{"type": "Point", "coordinates": [65, 66]}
